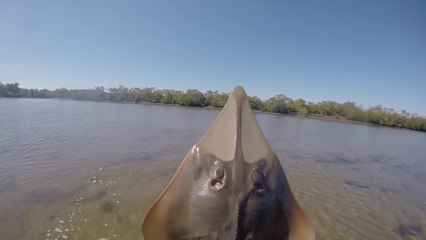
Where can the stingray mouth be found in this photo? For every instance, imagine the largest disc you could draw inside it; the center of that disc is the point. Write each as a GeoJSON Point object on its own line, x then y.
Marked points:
{"type": "Point", "coordinates": [218, 176]}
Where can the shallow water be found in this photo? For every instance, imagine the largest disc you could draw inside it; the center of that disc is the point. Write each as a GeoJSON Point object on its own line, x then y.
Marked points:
{"type": "Point", "coordinates": [90, 170]}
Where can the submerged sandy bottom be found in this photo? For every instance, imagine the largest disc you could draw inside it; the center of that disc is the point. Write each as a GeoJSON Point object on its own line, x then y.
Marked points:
{"type": "Point", "coordinates": [110, 202]}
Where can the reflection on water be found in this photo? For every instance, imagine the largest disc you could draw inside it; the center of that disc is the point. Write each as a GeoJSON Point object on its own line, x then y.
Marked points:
{"type": "Point", "coordinates": [90, 170]}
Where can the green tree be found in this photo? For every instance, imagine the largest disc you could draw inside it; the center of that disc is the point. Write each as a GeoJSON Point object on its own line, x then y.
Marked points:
{"type": "Point", "coordinates": [215, 99]}
{"type": "Point", "coordinates": [168, 97]}
{"type": "Point", "coordinates": [2, 90]}
{"type": "Point", "coordinates": [278, 104]}
{"type": "Point", "coordinates": [193, 97]}
{"type": "Point", "coordinates": [299, 106]}
{"type": "Point", "coordinates": [256, 103]}
{"type": "Point", "coordinates": [352, 112]}
{"type": "Point", "coordinates": [12, 89]}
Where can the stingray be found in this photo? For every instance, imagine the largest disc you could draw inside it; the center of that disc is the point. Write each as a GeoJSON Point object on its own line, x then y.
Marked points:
{"type": "Point", "coordinates": [230, 186]}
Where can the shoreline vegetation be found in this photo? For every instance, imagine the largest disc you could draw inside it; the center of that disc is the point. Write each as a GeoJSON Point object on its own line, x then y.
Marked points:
{"type": "Point", "coordinates": [280, 104]}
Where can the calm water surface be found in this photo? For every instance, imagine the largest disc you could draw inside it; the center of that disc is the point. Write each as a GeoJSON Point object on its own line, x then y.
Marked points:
{"type": "Point", "coordinates": [90, 170]}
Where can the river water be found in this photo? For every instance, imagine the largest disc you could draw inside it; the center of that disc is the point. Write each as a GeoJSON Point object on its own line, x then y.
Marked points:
{"type": "Point", "coordinates": [90, 170]}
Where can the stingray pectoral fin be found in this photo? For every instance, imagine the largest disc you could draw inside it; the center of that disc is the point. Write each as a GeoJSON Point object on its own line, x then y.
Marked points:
{"type": "Point", "coordinates": [157, 222]}
{"type": "Point", "coordinates": [300, 226]}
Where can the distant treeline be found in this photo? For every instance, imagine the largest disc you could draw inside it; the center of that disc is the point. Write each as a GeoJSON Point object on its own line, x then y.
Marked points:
{"type": "Point", "coordinates": [192, 97]}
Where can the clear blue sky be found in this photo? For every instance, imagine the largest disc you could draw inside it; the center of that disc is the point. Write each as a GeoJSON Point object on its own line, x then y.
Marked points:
{"type": "Point", "coordinates": [367, 51]}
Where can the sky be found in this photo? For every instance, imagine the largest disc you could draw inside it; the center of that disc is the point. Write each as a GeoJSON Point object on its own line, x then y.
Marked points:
{"type": "Point", "coordinates": [367, 51]}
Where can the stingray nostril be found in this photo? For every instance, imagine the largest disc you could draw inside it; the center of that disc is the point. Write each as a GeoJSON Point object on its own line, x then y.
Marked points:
{"type": "Point", "coordinates": [219, 173]}
{"type": "Point", "coordinates": [258, 180]}
{"type": "Point", "coordinates": [218, 179]}
{"type": "Point", "coordinates": [256, 175]}
{"type": "Point", "coordinates": [258, 185]}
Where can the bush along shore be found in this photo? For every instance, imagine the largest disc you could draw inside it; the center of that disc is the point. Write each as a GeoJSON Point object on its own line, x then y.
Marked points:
{"type": "Point", "coordinates": [278, 104]}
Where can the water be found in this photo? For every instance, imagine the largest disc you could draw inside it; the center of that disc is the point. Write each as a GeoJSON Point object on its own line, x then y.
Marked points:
{"type": "Point", "coordinates": [90, 170]}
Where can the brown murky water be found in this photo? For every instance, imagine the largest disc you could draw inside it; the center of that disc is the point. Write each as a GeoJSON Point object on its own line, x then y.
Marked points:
{"type": "Point", "coordinates": [90, 170]}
